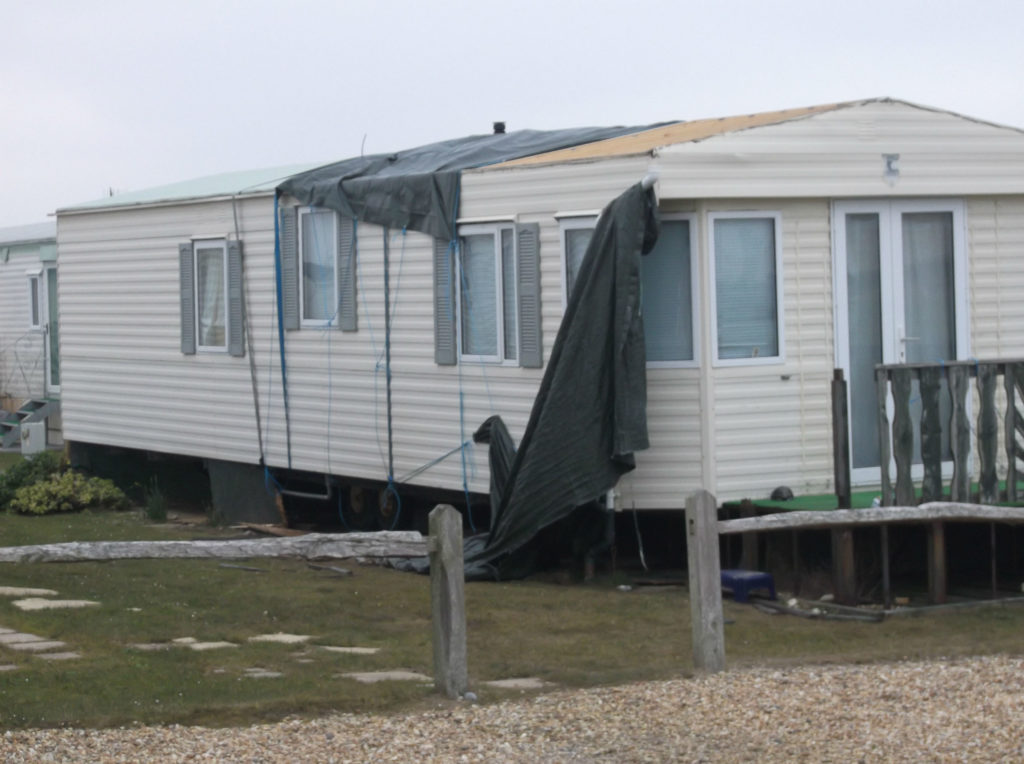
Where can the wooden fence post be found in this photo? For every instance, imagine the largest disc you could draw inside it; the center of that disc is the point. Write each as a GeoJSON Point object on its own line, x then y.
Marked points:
{"type": "Point", "coordinates": [705, 582]}
{"type": "Point", "coordinates": [448, 601]}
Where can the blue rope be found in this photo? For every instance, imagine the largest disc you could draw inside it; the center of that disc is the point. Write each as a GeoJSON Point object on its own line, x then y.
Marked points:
{"type": "Point", "coordinates": [280, 327]}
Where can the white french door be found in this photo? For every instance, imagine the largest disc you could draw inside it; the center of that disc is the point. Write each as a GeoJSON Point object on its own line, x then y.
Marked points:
{"type": "Point", "coordinates": [900, 283]}
{"type": "Point", "coordinates": [52, 350]}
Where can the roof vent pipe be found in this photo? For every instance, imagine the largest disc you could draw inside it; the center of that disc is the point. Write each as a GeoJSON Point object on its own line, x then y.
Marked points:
{"type": "Point", "coordinates": [499, 128]}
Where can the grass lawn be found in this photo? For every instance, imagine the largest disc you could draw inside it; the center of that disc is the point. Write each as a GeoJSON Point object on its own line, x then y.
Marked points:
{"type": "Point", "coordinates": [571, 635]}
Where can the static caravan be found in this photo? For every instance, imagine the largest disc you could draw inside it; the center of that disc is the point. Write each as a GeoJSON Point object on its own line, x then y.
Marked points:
{"type": "Point", "coordinates": [281, 326]}
{"type": "Point", "coordinates": [29, 337]}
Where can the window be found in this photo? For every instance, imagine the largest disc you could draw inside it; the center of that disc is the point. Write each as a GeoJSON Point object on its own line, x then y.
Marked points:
{"type": "Point", "coordinates": [212, 307]}
{"type": "Point", "coordinates": [487, 293]}
{"type": "Point", "coordinates": [317, 250]}
{"type": "Point", "coordinates": [576, 235]}
{"type": "Point", "coordinates": [211, 295]}
{"type": "Point", "coordinates": [667, 285]}
{"type": "Point", "coordinates": [487, 296]}
{"type": "Point", "coordinates": [666, 278]}
{"type": "Point", "coordinates": [318, 247]}
{"type": "Point", "coordinates": [746, 270]}
{"type": "Point", "coordinates": [35, 311]}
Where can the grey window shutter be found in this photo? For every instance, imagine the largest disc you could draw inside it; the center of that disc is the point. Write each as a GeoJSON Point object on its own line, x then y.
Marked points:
{"type": "Point", "coordinates": [289, 268]}
{"type": "Point", "coordinates": [531, 343]}
{"type": "Point", "coordinates": [347, 274]}
{"type": "Point", "coordinates": [445, 348]}
{"type": "Point", "coordinates": [188, 297]}
{"type": "Point", "coordinates": [236, 300]}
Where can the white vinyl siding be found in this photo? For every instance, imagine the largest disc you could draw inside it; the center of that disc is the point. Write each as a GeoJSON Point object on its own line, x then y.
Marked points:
{"type": "Point", "coordinates": [746, 267]}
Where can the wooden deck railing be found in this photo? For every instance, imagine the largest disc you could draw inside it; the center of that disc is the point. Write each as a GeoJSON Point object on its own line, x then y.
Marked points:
{"type": "Point", "coordinates": [898, 443]}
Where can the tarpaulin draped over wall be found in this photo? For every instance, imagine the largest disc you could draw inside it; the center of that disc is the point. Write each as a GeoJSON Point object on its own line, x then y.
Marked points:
{"type": "Point", "coordinates": [418, 188]}
{"type": "Point", "coordinates": [590, 414]}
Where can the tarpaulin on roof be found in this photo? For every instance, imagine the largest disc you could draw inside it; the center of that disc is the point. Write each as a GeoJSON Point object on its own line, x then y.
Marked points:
{"type": "Point", "coordinates": [418, 188]}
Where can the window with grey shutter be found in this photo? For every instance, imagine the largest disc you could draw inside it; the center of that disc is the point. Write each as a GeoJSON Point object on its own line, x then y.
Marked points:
{"type": "Point", "coordinates": [188, 308]}
{"type": "Point", "coordinates": [528, 253]}
{"type": "Point", "coordinates": [236, 300]}
{"type": "Point", "coordinates": [289, 246]}
{"type": "Point", "coordinates": [445, 347]}
{"type": "Point", "coordinates": [347, 274]}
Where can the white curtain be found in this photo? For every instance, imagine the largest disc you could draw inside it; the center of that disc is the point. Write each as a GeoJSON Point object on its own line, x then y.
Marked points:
{"type": "Point", "coordinates": [745, 289]}
{"type": "Point", "coordinates": [319, 257]}
{"type": "Point", "coordinates": [864, 295]}
{"type": "Point", "coordinates": [509, 304]}
{"type": "Point", "coordinates": [210, 294]}
{"type": "Point", "coordinates": [576, 242]}
{"type": "Point", "coordinates": [667, 309]}
{"type": "Point", "coordinates": [479, 295]}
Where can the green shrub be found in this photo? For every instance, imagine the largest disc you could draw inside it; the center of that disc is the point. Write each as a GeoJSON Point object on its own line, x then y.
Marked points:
{"type": "Point", "coordinates": [156, 502]}
{"type": "Point", "coordinates": [68, 492]}
{"type": "Point", "coordinates": [28, 471]}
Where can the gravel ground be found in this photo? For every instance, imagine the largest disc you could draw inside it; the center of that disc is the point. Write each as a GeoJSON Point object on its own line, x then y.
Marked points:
{"type": "Point", "coordinates": [958, 710]}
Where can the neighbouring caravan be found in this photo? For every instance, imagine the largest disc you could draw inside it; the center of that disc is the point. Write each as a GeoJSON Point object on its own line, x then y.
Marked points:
{"type": "Point", "coordinates": [792, 243]}
{"type": "Point", "coordinates": [29, 337]}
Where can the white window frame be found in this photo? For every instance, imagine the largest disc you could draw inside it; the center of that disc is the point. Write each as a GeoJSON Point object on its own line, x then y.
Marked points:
{"type": "Point", "coordinates": [495, 230]}
{"type": "Point", "coordinates": [566, 224]}
{"type": "Point", "coordinates": [780, 322]}
{"type": "Point", "coordinates": [210, 244]}
{"type": "Point", "coordinates": [35, 284]}
{"type": "Point", "coordinates": [333, 254]}
{"type": "Point", "coordinates": [694, 362]}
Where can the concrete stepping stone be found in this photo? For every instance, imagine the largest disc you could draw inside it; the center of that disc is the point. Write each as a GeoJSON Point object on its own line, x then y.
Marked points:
{"type": "Point", "coordinates": [8, 667]}
{"type": "Point", "coordinates": [371, 677]}
{"type": "Point", "coordinates": [6, 631]}
{"type": "Point", "coordinates": [286, 639]}
{"type": "Point", "coordinates": [194, 644]}
{"type": "Point", "coordinates": [149, 646]}
{"type": "Point", "coordinates": [35, 603]}
{"type": "Point", "coordinates": [261, 673]}
{"type": "Point", "coordinates": [37, 646]}
{"type": "Point", "coordinates": [520, 683]}
{"type": "Point", "coordinates": [13, 637]}
{"type": "Point", "coordinates": [351, 650]}
{"type": "Point", "coordinates": [21, 591]}
{"type": "Point", "coordinates": [59, 656]}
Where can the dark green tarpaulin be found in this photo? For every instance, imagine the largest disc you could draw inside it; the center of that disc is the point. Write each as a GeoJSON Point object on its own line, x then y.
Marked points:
{"type": "Point", "coordinates": [590, 413]}
{"type": "Point", "coordinates": [418, 188]}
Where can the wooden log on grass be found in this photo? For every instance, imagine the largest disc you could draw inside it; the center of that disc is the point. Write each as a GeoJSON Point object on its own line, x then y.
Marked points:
{"type": "Point", "coordinates": [312, 546]}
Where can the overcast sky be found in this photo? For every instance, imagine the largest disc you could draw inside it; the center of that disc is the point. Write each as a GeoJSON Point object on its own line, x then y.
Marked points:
{"type": "Point", "coordinates": [97, 95]}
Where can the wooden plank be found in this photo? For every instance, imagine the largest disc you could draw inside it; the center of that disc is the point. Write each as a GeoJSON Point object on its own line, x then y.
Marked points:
{"type": "Point", "coordinates": [959, 433]}
{"type": "Point", "coordinates": [1010, 432]}
{"type": "Point", "coordinates": [840, 440]}
{"type": "Point", "coordinates": [705, 571]}
{"type": "Point", "coordinates": [937, 563]}
{"type": "Point", "coordinates": [844, 569]}
{"type": "Point", "coordinates": [932, 511]}
{"type": "Point", "coordinates": [749, 551]}
{"type": "Point", "coordinates": [903, 435]}
{"type": "Point", "coordinates": [931, 433]}
{"type": "Point", "coordinates": [448, 601]}
{"type": "Point", "coordinates": [884, 451]}
{"type": "Point", "coordinates": [886, 578]}
{"type": "Point", "coordinates": [988, 435]}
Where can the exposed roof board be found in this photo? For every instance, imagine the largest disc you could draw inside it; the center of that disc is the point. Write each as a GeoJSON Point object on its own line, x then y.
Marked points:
{"type": "Point", "coordinates": [225, 184]}
{"type": "Point", "coordinates": [33, 233]}
{"type": "Point", "coordinates": [674, 132]}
